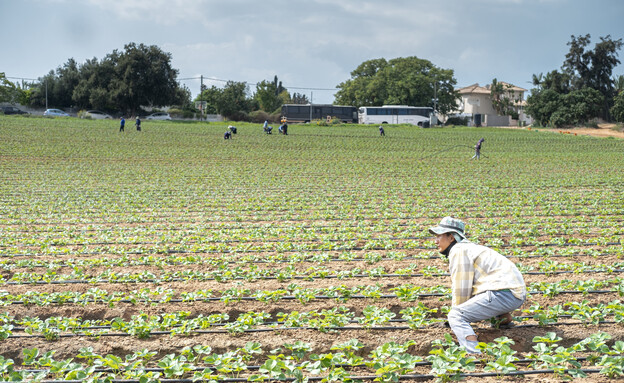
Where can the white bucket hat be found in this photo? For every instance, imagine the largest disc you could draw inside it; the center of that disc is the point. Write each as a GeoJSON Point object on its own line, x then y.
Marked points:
{"type": "Point", "coordinates": [449, 225]}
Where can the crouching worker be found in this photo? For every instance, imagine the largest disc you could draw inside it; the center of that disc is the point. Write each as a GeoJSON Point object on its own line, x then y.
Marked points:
{"type": "Point", "coordinates": [227, 135]}
{"type": "Point", "coordinates": [283, 129]}
{"type": "Point", "coordinates": [484, 283]}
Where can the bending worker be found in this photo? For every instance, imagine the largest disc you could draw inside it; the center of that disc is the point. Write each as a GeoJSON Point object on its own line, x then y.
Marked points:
{"type": "Point", "coordinates": [485, 284]}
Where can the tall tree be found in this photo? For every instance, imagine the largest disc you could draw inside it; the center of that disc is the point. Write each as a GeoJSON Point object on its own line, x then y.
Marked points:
{"type": "Point", "coordinates": [298, 98]}
{"type": "Point", "coordinates": [400, 81]}
{"type": "Point", "coordinates": [9, 92]}
{"type": "Point", "coordinates": [503, 98]}
{"type": "Point", "coordinates": [267, 95]}
{"type": "Point", "coordinates": [618, 84]}
{"type": "Point", "coordinates": [68, 77]}
{"type": "Point", "coordinates": [594, 68]}
{"type": "Point", "coordinates": [140, 75]}
{"type": "Point", "coordinates": [212, 97]}
{"type": "Point", "coordinates": [144, 76]}
{"type": "Point", "coordinates": [279, 89]}
{"type": "Point", "coordinates": [558, 98]}
{"type": "Point", "coordinates": [233, 100]}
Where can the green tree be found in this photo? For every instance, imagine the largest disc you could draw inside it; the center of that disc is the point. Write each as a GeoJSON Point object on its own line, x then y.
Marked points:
{"type": "Point", "coordinates": [619, 84]}
{"type": "Point", "coordinates": [503, 98]}
{"type": "Point", "coordinates": [400, 81]}
{"type": "Point", "coordinates": [143, 76]}
{"type": "Point", "coordinates": [67, 78]}
{"type": "Point", "coordinates": [140, 75]}
{"type": "Point", "coordinates": [557, 100]}
{"type": "Point", "coordinates": [593, 68]}
{"type": "Point", "coordinates": [59, 86]}
{"type": "Point", "coordinates": [279, 89]}
{"type": "Point", "coordinates": [267, 96]}
{"type": "Point", "coordinates": [212, 96]}
{"type": "Point", "coordinates": [298, 98]}
{"type": "Point", "coordinates": [550, 108]}
{"type": "Point", "coordinates": [233, 102]}
{"type": "Point", "coordinates": [93, 89]}
{"type": "Point", "coordinates": [617, 111]}
{"type": "Point", "coordinates": [9, 92]}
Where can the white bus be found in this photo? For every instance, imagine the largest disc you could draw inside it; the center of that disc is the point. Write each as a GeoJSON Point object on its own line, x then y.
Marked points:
{"type": "Point", "coordinates": [395, 114]}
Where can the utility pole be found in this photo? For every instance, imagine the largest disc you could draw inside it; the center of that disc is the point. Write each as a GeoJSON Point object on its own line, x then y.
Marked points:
{"type": "Point", "coordinates": [201, 97]}
{"type": "Point", "coordinates": [311, 95]}
{"type": "Point", "coordinates": [433, 119]}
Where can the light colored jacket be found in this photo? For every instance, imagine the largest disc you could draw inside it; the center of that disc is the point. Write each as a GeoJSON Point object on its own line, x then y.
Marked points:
{"type": "Point", "coordinates": [476, 269]}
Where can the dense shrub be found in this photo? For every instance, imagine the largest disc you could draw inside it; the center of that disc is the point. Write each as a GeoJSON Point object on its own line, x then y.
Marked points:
{"type": "Point", "coordinates": [182, 113]}
{"type": "Point", "coordinates": [323, 122]}
{"type": "Point", "coordinates": [260, 116]}
{"type": "Point", "coordinates": [557, 110]}
{"type": "Point", "coordinates": [457, 121]}
{"type": "Point", "coordinates": [238, 115]}
{"type": "Point", "coordinates": [617, 111]}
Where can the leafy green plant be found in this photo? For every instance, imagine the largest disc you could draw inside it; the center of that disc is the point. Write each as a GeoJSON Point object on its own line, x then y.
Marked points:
{"type": "Point", "coordinates": [448, 360]}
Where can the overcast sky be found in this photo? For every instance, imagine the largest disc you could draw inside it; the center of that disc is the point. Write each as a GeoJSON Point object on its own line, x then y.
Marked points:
{"type": "Point", "coordinates": [312, 46]}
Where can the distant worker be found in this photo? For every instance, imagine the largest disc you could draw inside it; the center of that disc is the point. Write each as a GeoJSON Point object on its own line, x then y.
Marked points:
{"type": "Point", "coordinates": [382, 132]}
{"type": "Point", "coordinates": [283, 129]}
{"type": "Point", "coordinates": [232, 129]}
{"type": "Point", "coordinates": [267, 128]}
{"type": "Point", "coordinates": [122, 123]}
{"type": "Point", "coordinates": [137, 123]}
{"type": "Point", "coordinates": [478, 149]}
{"type": "Point", "coordinates": [227, 135]}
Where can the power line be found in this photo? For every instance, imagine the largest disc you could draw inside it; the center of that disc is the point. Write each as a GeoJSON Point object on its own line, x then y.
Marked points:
{"type": "Point", "coordinates": [253, 83]}
{"type": "Point", "coordinates": [207, 78]}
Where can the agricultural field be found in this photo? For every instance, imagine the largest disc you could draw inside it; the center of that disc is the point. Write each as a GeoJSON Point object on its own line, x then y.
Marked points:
{"type": "Point", "coordinates": [173, 255]}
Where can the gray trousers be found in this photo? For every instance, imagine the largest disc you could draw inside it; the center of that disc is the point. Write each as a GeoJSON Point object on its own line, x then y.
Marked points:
{"type": "Point", "coordinates": [480, 307]}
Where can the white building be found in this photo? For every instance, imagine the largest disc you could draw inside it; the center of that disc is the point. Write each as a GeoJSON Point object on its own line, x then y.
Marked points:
{"type": "Point", "coordinates": [476, 103]}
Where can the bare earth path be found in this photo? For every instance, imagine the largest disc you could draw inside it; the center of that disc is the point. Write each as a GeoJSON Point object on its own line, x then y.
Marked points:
{"type": "Point", "coordinates": [603, 130]}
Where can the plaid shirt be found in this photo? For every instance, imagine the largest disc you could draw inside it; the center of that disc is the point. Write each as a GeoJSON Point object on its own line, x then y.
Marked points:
{"type": "Point", "coordinates": [476, 269]}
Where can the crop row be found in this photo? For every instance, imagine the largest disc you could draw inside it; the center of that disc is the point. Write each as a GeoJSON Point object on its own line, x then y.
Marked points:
{"type": "Point", "coordinates": [513, 246]}
{"type": "Point", "coordinates": [386, 363]}
{"type": "Point", "coordinates": [290, 272]}
{"type": "Point", "coordinates": [415, 317]}
{"type": "Point", "coordinates": [405, 292]}
{"type": "Point", "coordinates": [545, 265]}
{"type": "Point", "coordinates": [248, 236]}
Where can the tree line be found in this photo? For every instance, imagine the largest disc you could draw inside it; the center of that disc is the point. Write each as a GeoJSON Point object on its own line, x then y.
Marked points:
{"type": "Point", "coordinates": [582, 90]}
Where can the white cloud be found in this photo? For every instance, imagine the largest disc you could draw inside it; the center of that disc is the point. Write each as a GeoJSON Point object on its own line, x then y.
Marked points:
{"type": "Point", "coordinates": [163, 12]}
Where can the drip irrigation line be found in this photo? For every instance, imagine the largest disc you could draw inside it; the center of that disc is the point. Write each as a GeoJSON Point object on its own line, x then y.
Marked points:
{"type": "Point", "coordinates": [352, 377]}
{"type": "Point", "coordinates": [167, 219]}
{"type": "Point", "coordinates": [175, 262]}
{"type": "Point", "coordinates": [257, 367]}
{"type": "Point", "coordinates": [241, 227]}
{"type": "Point", "coordinates": [295, 277]}
{"type": "Point", "coordinates": [222, 324]}
{"type": "Point", "coordinates": [317, 228]}
{"type": "Point", "coordinates": [355, 248]}
{"type": "Point", "coordinates": [305, 328]}
{"type": "Point", "coordinates": [238, 241]}
{"type": "Point", "coordinates": [290, 297]}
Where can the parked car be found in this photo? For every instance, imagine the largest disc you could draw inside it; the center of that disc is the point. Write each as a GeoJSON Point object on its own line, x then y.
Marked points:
{"type": "Point", "coordinates": [158, 116]}
{"type": "Point", "coordinates": [55, 113]}
{"type": "Point", "coordinates": [97, 115]}
{"type": "Point", "coordinates": [11, 110]}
